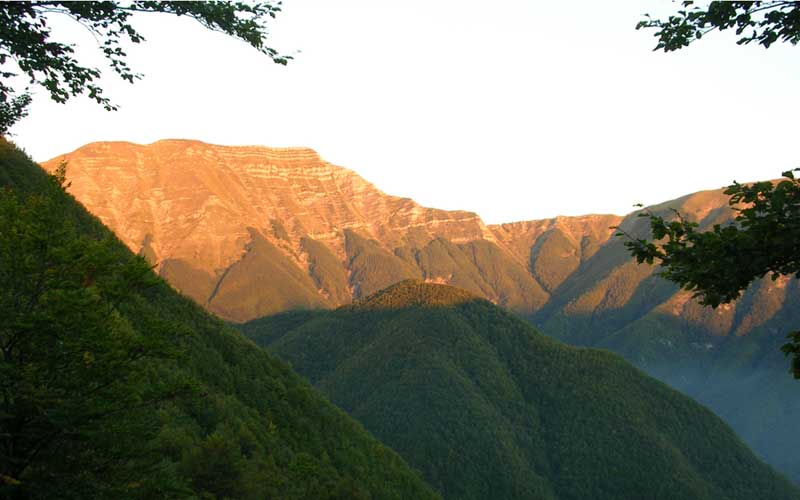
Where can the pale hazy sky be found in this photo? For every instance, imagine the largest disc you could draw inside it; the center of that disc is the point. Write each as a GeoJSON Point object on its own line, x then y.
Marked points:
{"type": "Point", "coordinates": [512, 109]}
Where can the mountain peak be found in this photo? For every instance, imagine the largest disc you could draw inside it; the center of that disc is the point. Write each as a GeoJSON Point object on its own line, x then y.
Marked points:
{"type": "Point", "coordinates": [415, 293]}
{"type": "Point", "coordinates": [284, 156]}
{"type": "Point", "coordinates": [485, 407]}
{"type": "Point", "coordinates": [190, 207]}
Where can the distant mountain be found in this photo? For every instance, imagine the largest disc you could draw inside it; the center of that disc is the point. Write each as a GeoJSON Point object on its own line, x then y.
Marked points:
{"type": "Point", "coordinates": [486, 407]}
{"type": "Point", "coordinates": [728, 358]}
{"type": "Point", "coordinates": [252, 231]}
{"type": "Point", "coordinates": [254, 428]}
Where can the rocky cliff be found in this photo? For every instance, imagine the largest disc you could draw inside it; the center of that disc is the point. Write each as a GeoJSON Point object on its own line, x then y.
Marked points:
{"type": "Point", "coordinates": [205, 215]}
{"type": "Point", "coordinates": [251, 231]}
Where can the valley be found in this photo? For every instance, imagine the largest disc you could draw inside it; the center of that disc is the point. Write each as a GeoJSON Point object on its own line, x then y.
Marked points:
{"type": "Point", "coordinates": [249, 232]}
{"type": "Point", "coordinates": [487, 407]}
{"type": "Point", "coordinates": [226, 319]}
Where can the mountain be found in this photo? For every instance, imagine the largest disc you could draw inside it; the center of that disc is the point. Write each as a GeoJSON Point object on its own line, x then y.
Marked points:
{"type": "Point", "coordinates": [252, 231]}
{"type": "Point", "coordinates": [250, 428]}
{"type": "Point", "coordinates": [486, 407]}
{"type": "Point", "coordinates": [728, 358]}
{"type": "Point", "coordinates": [218, 220]}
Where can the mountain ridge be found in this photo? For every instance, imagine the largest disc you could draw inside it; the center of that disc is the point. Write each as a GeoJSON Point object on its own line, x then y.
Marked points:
{"type": "Point", "coordinates": [242, 424]}
{"type": "Point", "coordinates": [501, 411]}
{"type": "Point", "coordinates": [219, 215]}
{"type": "Point", "coordinates": [413, 293]}
{"type": "Point", "coordinates": [233, 190]}
{"type": "Point", "coordinates": [246, 246]}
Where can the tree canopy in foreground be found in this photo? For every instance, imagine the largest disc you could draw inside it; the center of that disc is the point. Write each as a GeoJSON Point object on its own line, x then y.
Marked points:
{"type": "Point", "coordinates": [112, 385]}
{"type": "Point", "coordinates": [719, 264]}
{"type": "Point", "coordinates": [761, 22]}
{"type": "Point", "coordinates": [487, 407]}
{"type": "Point", "coordinates": [28, 48]}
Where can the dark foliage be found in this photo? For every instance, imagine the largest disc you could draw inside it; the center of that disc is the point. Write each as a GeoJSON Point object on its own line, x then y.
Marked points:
{"type": "Point", "coordinates": [718, 265]}
{"type": "Point", "coordinates": [26, 40]}
{"type": "Point", "coordinates": [762, 22]}
{"type": "Point", "coordinates": [488, 408]}
{"type": "Point", "coordinates": [75, 407]}
{"type": "Point", "coordinates": [130, 390]}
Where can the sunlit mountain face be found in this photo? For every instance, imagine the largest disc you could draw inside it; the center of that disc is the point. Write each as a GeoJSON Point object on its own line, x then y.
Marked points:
{"type": "Point", "coordinates": [236, 422]}
{"type": "Point", "coordinates": [252, 231]}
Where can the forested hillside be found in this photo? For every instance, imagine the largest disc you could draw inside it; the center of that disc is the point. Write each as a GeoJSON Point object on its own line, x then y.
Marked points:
{"type": "Point", "coordinates": [115, 386]}
{"type": "Point", "coordinates": [486, 407]}
{"type": "Point", "coordinates": [728, 358]}
{"type": "Point", "coordinates": [251, 231]}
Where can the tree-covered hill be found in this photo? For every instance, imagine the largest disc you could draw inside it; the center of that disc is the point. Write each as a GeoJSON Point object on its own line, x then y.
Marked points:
{"type": "Point", "coordinates": [486, 407]}
{"type": "Point", "coordinates": [115, 386]}
{"type": "Point", "coordinates": [253, 231]}
{"type": "Point", "coordinates": [727, 358]}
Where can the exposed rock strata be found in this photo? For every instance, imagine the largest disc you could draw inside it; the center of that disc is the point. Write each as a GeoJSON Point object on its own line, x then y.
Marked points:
{"type": "Point", "coordinates": [249, 231]}
{"type": "Point", "coordinates": [204, 213]}
{"type": "Point", "coordinates": [194, 209]}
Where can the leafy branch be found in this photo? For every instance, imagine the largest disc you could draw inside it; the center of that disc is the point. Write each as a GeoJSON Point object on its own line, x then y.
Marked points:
{"type": "Point", "coordinates": [719, 264]}
{"type": "Point", "coordinates": [26, 41]}
{"type": "Point", "coordinates": [761, 22]}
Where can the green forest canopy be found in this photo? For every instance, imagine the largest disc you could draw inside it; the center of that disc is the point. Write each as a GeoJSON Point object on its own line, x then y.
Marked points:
{"type": "Point", "coordinates": [115, 386]}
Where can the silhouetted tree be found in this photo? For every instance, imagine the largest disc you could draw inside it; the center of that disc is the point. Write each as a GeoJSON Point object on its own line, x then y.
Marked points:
{"type": "Point", "coordinates": [719, 264]}
{"type": "Point", "coordinates": [76, 387]}
{"type": "Point", "coordinates": [26, 42]}
{"type": "Point", "coordinates": [762, 22]}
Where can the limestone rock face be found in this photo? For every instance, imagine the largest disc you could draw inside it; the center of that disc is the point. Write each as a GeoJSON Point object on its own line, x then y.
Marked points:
{"type": "Point", "coordinates": [554, 248]}
{"type": "Point", "coordinates": [194, 209]}
{"type": "Point", "coordinates": [184, 188]}
{"type": "Point", "coordinates": [251, 231]}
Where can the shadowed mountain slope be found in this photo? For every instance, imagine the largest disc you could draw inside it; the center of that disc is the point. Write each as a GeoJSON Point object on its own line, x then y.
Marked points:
{"type": "Point", "coordinates": [251, 231]}
{"type": "Point", "coordinates": [728, 358]}
{"type": "Point", "coordinates": [252, 428]}
{"type": "Point", "coordinates": [486, 407]}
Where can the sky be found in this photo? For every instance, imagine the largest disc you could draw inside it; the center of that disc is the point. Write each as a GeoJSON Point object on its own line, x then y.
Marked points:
{"type": "Point", "coordinates": [513, 109]}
